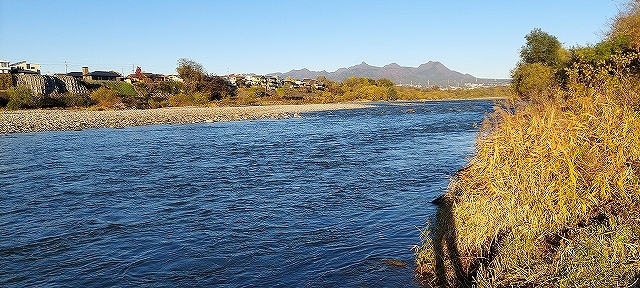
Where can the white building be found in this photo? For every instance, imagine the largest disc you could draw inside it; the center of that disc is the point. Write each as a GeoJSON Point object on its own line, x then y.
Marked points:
{"type": "Point", "coordinates": [23, 67]}
{"type": "Point", "coordinates": [4, 67]}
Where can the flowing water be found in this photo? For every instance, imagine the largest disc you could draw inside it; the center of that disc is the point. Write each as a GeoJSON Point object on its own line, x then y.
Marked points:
{"type": "Point", "coordinates": [322, 201]}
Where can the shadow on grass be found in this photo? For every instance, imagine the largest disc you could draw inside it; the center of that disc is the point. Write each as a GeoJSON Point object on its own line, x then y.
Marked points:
{"type": "Point", "coordinates": [453, 269]}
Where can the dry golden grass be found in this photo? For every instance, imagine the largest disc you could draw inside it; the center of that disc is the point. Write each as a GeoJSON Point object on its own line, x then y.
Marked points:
{"type": "Point", "coordinates": [550, 198]}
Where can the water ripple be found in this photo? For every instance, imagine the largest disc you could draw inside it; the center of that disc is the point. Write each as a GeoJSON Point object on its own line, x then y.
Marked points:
{"type": "Point", "coordinates": [313, 202]}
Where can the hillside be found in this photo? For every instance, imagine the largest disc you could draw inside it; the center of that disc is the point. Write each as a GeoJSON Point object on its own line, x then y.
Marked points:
{"type": "Point", "coordinates": [427, 74]}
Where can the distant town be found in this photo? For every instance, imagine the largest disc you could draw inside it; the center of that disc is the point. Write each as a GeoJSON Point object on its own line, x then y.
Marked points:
{"type": "Point", "coordinates": [23, 86]}
{"type": "Point", "coordinates": [271, 82]}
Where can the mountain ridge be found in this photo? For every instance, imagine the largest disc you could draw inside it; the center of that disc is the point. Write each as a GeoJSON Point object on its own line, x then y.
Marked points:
{"type": "Point", "coordinates": [432, 73]}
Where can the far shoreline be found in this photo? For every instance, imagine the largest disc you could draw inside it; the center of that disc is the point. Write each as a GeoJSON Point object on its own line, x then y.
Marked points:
{"type": "Point", "coordinates": [41, 120]}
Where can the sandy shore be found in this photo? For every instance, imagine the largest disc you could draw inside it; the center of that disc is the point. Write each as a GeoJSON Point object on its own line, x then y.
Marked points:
{"type": "Point", "coordinates": [50, 120]}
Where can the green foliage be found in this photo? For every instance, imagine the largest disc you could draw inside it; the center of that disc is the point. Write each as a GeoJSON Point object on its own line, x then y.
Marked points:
{"type": "Point", "coordinates": [354, 82]}
{"type": "Point", "coordinates": [201, 98]}
{"type": "Point", "coordinates": [121, 88]}
{"type": "Point", "coordinates": [196, 80]}
{"type": "Point", "coordinates": [531, 81]}
{"type": "Point", "coordinates": [256, 91]}
{"type": "Point", "coordinates": [542, 61]}
{"type": "Point", "coordinates": [128, 95]}
{"type": "Point", "coordinates": [384, 82]}
{"type": "Point", "coordinates": [180, 100]}
{"type": "Point", "coordinates": [22, 97]}
{"type": "Point", "coordinates": [601, 52]}
{"type": "Point", "coordinates": [543, 48]}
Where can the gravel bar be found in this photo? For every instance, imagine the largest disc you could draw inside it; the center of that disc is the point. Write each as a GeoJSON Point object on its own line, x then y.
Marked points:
{"type": "Point", "coordinates": [24, 121]}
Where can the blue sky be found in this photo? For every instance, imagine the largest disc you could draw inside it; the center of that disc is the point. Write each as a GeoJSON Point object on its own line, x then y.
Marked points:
{"type": "Point", "coordinates": [481, 38]}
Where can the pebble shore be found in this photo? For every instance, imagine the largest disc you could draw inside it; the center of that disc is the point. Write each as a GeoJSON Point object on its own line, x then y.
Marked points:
{"type": "Point", "coordinates": [24, 121]}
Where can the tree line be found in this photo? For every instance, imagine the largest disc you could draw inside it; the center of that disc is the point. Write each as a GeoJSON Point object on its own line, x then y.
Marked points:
{"type": "Point", "coordinates": [547, 70]}
{"type": "Point", "coordinates": [197, 87]}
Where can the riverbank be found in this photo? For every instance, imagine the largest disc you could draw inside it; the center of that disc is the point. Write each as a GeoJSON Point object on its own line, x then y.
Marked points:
{"type": "Point", "coordinates": [24, 121]}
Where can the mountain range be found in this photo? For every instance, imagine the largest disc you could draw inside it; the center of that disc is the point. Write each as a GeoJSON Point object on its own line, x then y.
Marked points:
{"type": "Point", "coordinates": [428, 74]}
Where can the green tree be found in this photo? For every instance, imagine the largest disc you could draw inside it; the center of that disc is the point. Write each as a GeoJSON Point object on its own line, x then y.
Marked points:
{"type": "Point", "coordinates": [543, 48]}
{"type": "Point", "coordinates": [190, 71]}
{"type": "Point", "coordinates": [22, 97]}
{"type": "Point", "coordinates": [384, 82]}
{"type": "Point", "coordinates": [532, 81]}
{"type": "Point", "coordinates": [196, 80]}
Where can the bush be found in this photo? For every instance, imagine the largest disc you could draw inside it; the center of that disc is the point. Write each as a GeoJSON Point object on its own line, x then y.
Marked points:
{"type": "Point", "coordinates": [201, 98]}
{"type": "Point", "coordinates": [74, 100]}
{"type": "Point", "coordinates": [105, 97]}
{"type": "Point", "coordinates": [256, 91]}
{"type": "Point", "coordinates": [532, 81]}
{"type": "Point", "coordinates": [22, 97]}
{"type": "Point", "coordinates": [181, 99]}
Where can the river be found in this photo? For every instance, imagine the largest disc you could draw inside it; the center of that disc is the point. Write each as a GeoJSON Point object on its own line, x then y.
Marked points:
{"type": "Point", "coordinates": [319, 201]}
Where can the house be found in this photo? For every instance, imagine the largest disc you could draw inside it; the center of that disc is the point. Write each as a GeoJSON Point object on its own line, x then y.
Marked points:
{"type": "Point", "coordinates": [174, 78]}
{"type": "Point", "coordinates": [105, 76]}
{"type": "Point", "coordinates": [95, 75]}
{"type": "Point", "coordinates": [146, 77]}
{"type": "Point", "coordinates": [271, 82]}
{"type": "Point", "coordinates": [23, 67]}
{"type": "Point", "coordinates": [4, 67]}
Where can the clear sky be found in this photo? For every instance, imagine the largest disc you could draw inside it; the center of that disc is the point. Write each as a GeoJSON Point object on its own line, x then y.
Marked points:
{"type": "Point", "coordinates": [482, 38]}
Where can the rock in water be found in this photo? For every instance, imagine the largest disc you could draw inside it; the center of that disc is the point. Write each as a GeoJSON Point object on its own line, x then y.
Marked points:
{"type": "Point", "coordinates": [394, 262]}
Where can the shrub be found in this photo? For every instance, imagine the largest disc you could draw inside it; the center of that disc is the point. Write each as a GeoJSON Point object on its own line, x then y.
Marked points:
{"type": "Point", "coordinates": [181, 99]}
{"type": "Point", "coordinates": [256, 91]}
{"type": "Point", "coordinates": [201, 98]}
{"type": "Point", "coordinates": [156, 103]}
{"type": "Point", "coordinates": [22, 97]}
{"type": "Point", "coordinates": [105, 97]}
{"type": "Point", "coordinates": [74, 100]}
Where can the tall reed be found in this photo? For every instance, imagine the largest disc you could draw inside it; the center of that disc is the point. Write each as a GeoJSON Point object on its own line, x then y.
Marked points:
{"type": "Point", "coordinates": [551, 196]}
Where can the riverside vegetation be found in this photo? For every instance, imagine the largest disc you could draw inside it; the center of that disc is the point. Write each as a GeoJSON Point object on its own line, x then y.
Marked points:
{"type": "Point", "coordinates": [551, 197]}
{"type": "Point", "coordinates": [201, 89]}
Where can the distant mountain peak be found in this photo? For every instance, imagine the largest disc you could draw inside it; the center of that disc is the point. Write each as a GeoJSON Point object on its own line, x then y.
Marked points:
{"type": "Point", "coordinates": [427, 74]}
{"type": "Point", "coordinates": [363, 64]}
